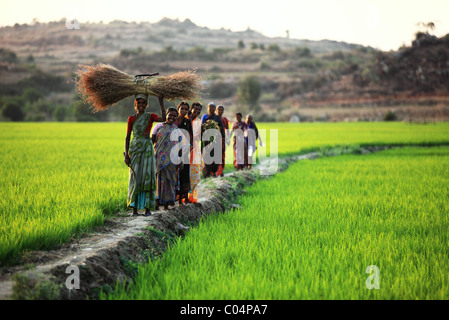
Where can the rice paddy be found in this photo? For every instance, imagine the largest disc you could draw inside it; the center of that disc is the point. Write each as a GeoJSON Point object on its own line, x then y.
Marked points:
{"type": "Point", "coordinates": [61, 179]}
{"type": "Point", "coordinates": [312, 231]}
{"type": "Point", "coordinates": [303, 137]}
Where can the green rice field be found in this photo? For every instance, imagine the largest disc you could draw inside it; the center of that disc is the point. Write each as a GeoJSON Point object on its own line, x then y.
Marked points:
{"type": "Point", "coordinates": [62, 179]}
{"type": "Point", "coordinates": [311, 232]}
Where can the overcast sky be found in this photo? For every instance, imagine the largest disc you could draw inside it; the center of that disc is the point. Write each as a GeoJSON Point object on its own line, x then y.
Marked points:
{"type": "Point", "coordinates": [383, 24]}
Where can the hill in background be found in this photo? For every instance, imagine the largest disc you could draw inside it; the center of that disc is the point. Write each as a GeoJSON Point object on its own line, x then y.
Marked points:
{"type": "Point", "coordinates": [310, 80]}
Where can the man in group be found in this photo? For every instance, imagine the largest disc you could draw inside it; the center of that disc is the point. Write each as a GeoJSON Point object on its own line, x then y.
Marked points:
{"type": "Point", "coordinates": [211, 168]}
{"type": "Point", "coordinates": [224, 141]}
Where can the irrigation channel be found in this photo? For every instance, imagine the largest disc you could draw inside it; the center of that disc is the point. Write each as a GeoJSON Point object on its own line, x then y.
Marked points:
{"type": "Point", "coordinates": [108, 255]}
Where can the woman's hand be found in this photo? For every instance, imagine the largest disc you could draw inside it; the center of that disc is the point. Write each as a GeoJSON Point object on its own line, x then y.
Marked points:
{"type": "Point", "coordinates": [163, 116]}
{"type": "Point", "coordinates": [127, 160]}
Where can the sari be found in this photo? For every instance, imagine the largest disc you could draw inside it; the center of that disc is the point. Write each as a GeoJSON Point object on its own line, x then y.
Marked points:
{"type": "Point", "coordinates": [251, 142]}
{"type": "Point", "coordinates": [210, 169]}
{"type": "Point", "coordinates": [166, 173]}
{"type": "Point", "coordinates": [196, 160]}
{"type": "Point", "coordinates": [184, 173]}
{"type": "Point", "coordinates": [221, 166]}
{"type": "Point", "coordinates": [240, 154]}
{"type": "Point", "coordinates": [142, 180]}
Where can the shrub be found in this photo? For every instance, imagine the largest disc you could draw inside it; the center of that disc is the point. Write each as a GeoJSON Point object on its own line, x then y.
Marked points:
{"type": "Point", "coordinates": [264, 66]}
{"type": "Point", "coordinates": [8, 55]}
{"type": "Point", "coordinates": [336, 55]}
{"type": "Point", "coordinates": [249, 91]}
{"type": "Point", "coordinates": [59, 113]}
{"type": "Point", "coordinates": [390, 116]}
{"type": "Point", "coordinates": [220, 90]}
{"type": "Point", "coordinates": [46, 82]}
{"type": "Point", "coordinates": [311, 64]}
{"type": "Point", "coordinates": [303, 52]}
{"type": "Point", "coordinates": [32, 94]}
{"type": "Point", "coordinates": [129, 52]}
{"type": "Point", "coordinates": [274, 48]}
{"type": "Point", "coordinates": [13, 111]}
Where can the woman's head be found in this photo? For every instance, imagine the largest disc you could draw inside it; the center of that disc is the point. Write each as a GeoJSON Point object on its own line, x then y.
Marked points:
{"type": "Point", "coordinates": [196, 109]}
{"type": "Point", "coordinates": [172, 114]}
{"type": "Point", "coordinates": [183, 108]}
{"type": "Point", "coordinates": [211, 108]}
{"type": "Point", "coordinates": [140, 102]}
{"type": "Point", "coordinates": [249, 118]}
{"type": "Point", "coordinates": [140, 105]}
{"type": "Point", "coordinates": [220, 110]}
{"type": "Point", "coordinates": [238, 116]}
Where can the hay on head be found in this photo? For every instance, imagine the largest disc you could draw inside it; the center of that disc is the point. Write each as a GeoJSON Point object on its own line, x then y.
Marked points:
{"type": "Point", "coordinates": [103, 85]}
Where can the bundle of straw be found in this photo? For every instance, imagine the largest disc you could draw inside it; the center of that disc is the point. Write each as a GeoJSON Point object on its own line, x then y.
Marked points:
{"type": "Point", "coordinates": [103, 85]}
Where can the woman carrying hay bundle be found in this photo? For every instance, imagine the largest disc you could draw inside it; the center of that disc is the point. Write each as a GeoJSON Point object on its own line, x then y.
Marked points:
{"type": "Point", "coordinates": [103, 85]}
{"type": "Point", "coordinates": [139, 156]}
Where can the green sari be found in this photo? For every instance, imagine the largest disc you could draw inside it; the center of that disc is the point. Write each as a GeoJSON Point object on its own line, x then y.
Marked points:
{"type": "Point", "coordinates": [142, 177]}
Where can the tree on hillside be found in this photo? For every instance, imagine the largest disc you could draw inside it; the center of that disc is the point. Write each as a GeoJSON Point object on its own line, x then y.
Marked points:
{"type": "Point", "coordinates": [8, 55]}
{"type": "Point", "coordinates": [303, 52]}
{"type": "Point", "coordinates": [30, 58]}
{"type": "Point", "coordinates": [32, 94]}
{"type": "Point", "coordinates": [274, 48]}
{"type": "Point", "coordinates": [82, 112]}
{"type": "Point", "coordinates": [60, 113]}
{"type": "Point", "coordinates": [248, 92]}
{"type": "Point", "coordinates": [13, 111]}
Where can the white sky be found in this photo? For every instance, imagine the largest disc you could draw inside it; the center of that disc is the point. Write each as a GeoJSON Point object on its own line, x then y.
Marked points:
{"type": "Point", "coordinates": [383, 24]}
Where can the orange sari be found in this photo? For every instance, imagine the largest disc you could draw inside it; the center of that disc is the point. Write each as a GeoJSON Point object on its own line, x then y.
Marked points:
{"type": "Point", "coordinates": [196, 161]}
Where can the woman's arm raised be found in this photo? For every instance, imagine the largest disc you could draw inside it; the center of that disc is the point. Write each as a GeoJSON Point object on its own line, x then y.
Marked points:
{"type": "Point", "coordinates": [162, 118]}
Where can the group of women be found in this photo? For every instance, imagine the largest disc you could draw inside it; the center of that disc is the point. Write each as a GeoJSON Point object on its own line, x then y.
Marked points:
{"type": "Point", "coordinates": [161, 172]}
{"type": "Point", "coordinates": [243, 156]}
